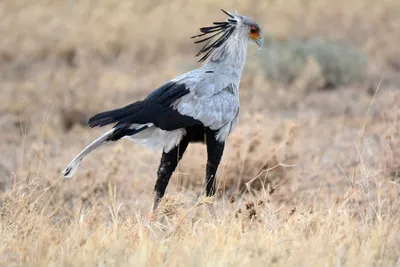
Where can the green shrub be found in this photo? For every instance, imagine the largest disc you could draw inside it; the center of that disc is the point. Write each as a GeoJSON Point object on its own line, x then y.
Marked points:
{"type": "Point", "coordinates": [284, 61]}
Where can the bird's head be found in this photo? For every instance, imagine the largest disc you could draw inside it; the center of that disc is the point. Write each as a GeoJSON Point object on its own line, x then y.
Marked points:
{"type": "Point", "coordinates": [251, 29]}
{"type": "Point", "coordinates": [215, 36]}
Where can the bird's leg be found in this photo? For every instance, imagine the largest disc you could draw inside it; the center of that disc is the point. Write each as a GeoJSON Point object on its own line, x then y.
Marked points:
{"type": "Point", "coordinates": [215, 150]}
{"type": "Point", "coordinates": [168, 164]}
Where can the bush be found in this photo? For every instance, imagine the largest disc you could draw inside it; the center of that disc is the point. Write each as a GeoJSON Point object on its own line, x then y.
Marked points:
{"type": "Point", "coordinates": [284, 61]}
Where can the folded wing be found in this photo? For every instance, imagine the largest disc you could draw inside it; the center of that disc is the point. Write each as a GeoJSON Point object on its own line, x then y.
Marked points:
{"type": "Point", "coordinates": [215, 111]}
{"type": "Point", "coordinates": [155, 110]}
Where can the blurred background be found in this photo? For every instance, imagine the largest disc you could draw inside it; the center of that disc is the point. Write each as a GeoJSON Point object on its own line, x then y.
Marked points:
{"type": "Point", "coordinates": [304, 96]}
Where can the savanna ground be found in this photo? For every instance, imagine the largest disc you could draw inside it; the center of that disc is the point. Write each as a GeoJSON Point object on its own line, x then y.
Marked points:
{"type": "Point", "coordinates": [309, 178]}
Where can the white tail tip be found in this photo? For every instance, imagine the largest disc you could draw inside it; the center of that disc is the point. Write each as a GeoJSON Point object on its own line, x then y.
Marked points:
{"type": "Point", "coordinates": [73, 166]}
{"type": "Point", "coordinates": [71, 169]}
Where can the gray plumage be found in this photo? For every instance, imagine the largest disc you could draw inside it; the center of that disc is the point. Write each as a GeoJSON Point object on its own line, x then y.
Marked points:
{"type": "Point", "coordinates": [201, 101]}
{"type": "Point", "coordinates": [213, 97]}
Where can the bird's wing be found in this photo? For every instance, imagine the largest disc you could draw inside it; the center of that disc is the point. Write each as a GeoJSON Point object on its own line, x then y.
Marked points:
{"type": "Point", "coordinates": [214, 111]}
{"type": "Point", "coordinates": [155, 109]}
{"type": "Point", "coordinates": [198, 97]}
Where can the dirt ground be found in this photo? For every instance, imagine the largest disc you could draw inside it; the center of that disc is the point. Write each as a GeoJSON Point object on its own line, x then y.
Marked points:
{"type": "Point", "coordinates": [309, 177]}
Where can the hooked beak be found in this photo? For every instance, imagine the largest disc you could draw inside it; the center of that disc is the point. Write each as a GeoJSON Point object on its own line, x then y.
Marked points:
{"type": "Point", "coordinates": [260, 42]}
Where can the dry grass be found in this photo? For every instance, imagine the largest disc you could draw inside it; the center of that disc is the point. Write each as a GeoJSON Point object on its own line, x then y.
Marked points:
{"type": "Point", "coordinates": [309, 178]}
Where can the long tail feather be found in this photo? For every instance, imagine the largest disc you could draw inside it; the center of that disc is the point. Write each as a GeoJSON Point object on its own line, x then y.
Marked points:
{"type": "Point", "coordinates": [70, 170]}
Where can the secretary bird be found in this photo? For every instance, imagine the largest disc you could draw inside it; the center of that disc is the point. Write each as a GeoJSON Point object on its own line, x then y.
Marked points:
{"type": "Point", "coordinates": [201, 105]}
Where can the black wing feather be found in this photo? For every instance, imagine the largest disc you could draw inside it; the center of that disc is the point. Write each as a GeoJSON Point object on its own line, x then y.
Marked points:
{"type": "Point", "coordinates": [156, 108]}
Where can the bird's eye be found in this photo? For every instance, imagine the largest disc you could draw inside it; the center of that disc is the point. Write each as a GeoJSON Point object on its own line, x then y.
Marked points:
{"type": "Point", "coordinates": [253, 30]}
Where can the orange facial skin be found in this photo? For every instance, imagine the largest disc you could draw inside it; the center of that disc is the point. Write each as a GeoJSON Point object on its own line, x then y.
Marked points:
{"type": "Point", "coordinates": [254, 33]}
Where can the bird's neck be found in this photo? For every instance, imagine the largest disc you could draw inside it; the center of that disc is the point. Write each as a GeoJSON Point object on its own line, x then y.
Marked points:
{"type": "Point", "coordinates": [231, 56]}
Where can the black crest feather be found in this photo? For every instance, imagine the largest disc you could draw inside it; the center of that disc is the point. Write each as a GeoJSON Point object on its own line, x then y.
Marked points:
{"type": "Point", "coordinates": [227, 13]}
{"type": "Point", "coordinates": [215, 36]}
